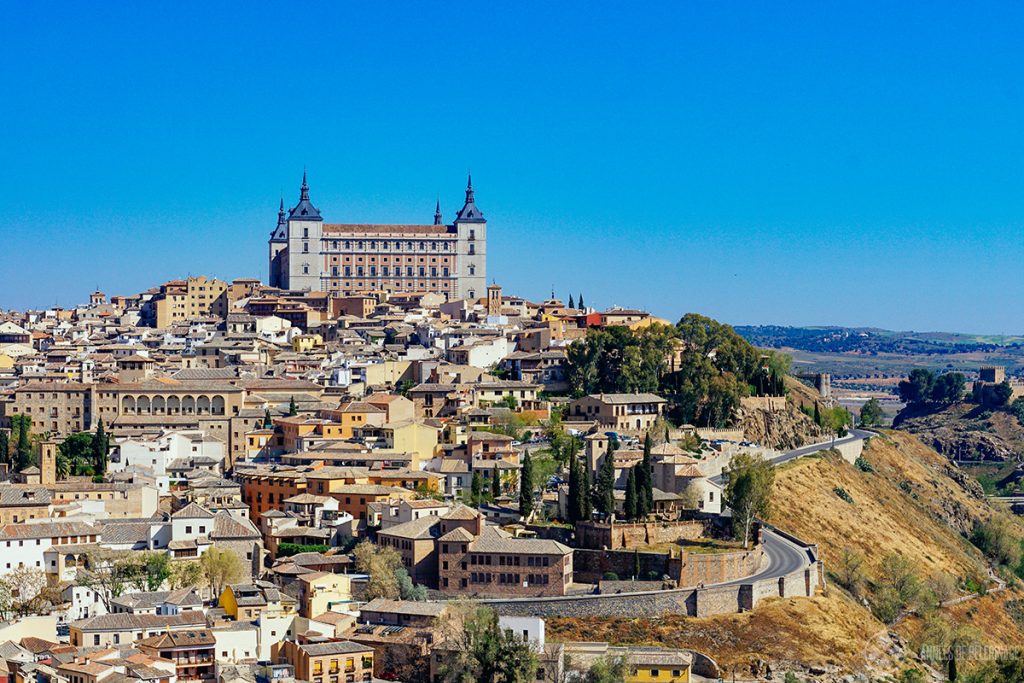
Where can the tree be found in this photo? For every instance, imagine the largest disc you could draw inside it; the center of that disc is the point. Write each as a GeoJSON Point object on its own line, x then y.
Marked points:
{"type": "Point", "coordinates": [476, 489]}
{"type": "Point", "coordinates": [644, 481]}
{"type": "Point", "coordinates": [948, 388]}
{"type": "Point", "coordinates": [26, 587]}
{"type": "Point", "coordinates": [604, 487]}
{"type": "Point", "coordinates": [220, 568]}
{"type": "Point", "coordinates": [407, 590]}
{"type": "Point", "coordinates": [268, 422]}
{"type": "Point", "coordinates": [23, 451]}
{"type": "Point", "coordinates": [381, 565]}
{"type": "Point", "coordinates": [850, 572]}
{"type": "Point", "coordinates": [75, 455]}
{"type": "Point", "coordinates": [917, 388]}
{"type": "Point", "coordinates": [526, 486]}
{"type": "Point", "coordinates": [5, 447]}
{"type": "Point", "coordinates": [100, 448]}
{"type": "Point", "coordinates": [608, 669]}
{"type": "Point", "coordinates": [185, 574]}
{"type": "Point", "coordinates": [897, 586]}
{"type": "Point", "coordinates": [293, 409]}
{"type": "Point", "coordinates": [572, 304]}
{"type": "Point", "coordinates": [107, 572]}
{"type": "Point", "coordinates": [573, 503]}
{"type": "Point", "coordinates": [817, 414]}
{"type": "Point", "coordinates": [631, 495]}
{"type": "Point", "coordinates": [481, 651]}
{"type": "Point", "coordinates": [579, 303]}
{"type": "Point", "coordinates": [586, 511]}
{"type": "Point", "coordinates": [871, 413]}
{"type": "Point", "coordinates": [748, 492]}
{"type": "Point", "coordinates": [495, 489]}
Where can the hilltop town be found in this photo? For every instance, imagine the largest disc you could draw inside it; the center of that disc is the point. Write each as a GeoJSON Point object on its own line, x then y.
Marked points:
{"type": "Point", "coordinates": [378, 466]}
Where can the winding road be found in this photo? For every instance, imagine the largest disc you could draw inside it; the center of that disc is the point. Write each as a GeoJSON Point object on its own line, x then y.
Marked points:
{"type": "Point", "coordinates": [783, 555]}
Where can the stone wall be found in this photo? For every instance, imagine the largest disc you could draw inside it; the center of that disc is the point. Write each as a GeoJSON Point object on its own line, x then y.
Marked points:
{"type": "Point", "coordinates": [589, 566]}
{"type": "Point", "coordinates": [635, 535]}
{"type": "Point", "coordinates": [773, 404]}
{"type": "Point", "coordinates": [693, 569]}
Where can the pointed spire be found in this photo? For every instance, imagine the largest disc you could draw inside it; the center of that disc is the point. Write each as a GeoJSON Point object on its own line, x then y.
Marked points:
{"type": "Point", "coordinates": [470, 212]}
{"type": "Point", "coordinates": [437, 212]}
{"type": "Point", "coordinates": [280, 213]}
{"type": "Point", "coordinates": [304, 196]}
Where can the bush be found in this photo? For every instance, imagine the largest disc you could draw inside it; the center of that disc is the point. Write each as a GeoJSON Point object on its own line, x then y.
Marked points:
{"type": "Point", "coordinates": [842, 493]}
{"type": "Point", "coordinates": [652, 575]}
{"type": "Point", "coordinates": [610, 576]}
{"type": "Point", "coordinates": [289, 549]}
{"type": "Point", "coordinates": [862, 464]}
{"type": "Point", "coordinates": [996, 539]}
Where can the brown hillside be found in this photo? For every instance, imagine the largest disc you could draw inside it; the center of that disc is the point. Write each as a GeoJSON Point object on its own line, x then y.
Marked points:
{"type": "Point", "coordinates": [914, 503]}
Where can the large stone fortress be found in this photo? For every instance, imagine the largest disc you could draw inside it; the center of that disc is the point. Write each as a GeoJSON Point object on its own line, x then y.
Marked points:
{"type": "Point", "coordinates": [308, 254]}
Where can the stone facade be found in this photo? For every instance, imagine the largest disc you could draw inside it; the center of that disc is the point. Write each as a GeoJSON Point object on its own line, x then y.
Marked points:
{"type": "Point", "coordinates": [346, 259]}
{"type": "Point", "coordinates": [636, 535]}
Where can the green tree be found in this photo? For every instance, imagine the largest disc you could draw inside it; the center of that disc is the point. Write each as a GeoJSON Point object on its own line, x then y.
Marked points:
{"type": "Point", "coordinates": [23, 451]}
{"type": "Point", "coordinates": [268, 422]}
{"type": "Point", "coordinates": [526, 486]}
{"type": "Point", "coordinates": [5, 447]}
{"type": "Point", "coordinates": [480, 651]}
{"type": "Point", "coordinates": [100, 449]}
{"type": "Point", "coordinates": [220, 568]}
{"type": "Point", "coordinates": [748, 492]}
{"type": "Point", "coordinates": [476, 489]}
{"type": "Point", "coordinates": [817, 414]}
{"type": "Point", "coordinates": [407, 590]}
{"type": "Point", "coordinates": [586, 511]}
{"type": "Point", "coordinates": [896, 587]}
{"type": "Point", "coordinates": [604, 487]}
{"type": "Point", "coordinates": [871, 413]}
{"type": "Point", "coordinates": [495, 489]}
{"type": "Point", "coordinates": [631, 494]}
{"type": "Point", "coordinates": [948, 388]}
{"type": "Point", "coordinates": [917, 388]}
{"type": "Point", "coordinates": [75, 455]}
{"type": "Point", "coordinates": [293, 409]}
{"type": "Point", "coordinates": [579, 303]}
{"type": "Point", "coordinates": [572, 303]}
{"type": "Point", "coordinates": [644, 480]}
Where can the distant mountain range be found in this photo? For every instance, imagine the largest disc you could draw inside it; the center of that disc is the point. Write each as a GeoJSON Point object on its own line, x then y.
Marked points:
{"type": "Point", "coordinates": [872, 340]}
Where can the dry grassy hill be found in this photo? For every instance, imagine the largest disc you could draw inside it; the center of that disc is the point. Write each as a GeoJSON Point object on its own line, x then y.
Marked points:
{"type": "Point", "coordinates": [913, 503]}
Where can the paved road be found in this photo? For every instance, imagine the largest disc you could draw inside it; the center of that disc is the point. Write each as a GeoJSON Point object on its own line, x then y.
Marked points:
{"type": "Point", "coordinates": [853, 435]}
{"type": "Point", "coordinates": [784, 557]}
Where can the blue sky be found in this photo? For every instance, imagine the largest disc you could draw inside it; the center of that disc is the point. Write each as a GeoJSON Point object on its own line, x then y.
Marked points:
{"type": "Point", "coordinates": [790, 163]}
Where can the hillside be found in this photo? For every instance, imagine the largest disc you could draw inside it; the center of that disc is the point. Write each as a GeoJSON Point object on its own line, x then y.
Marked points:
{"type": "Point", "coordinates": [965, 431]}
{"type": "Point", "coordinates": [783, 430]}
{"type": "Point", "coordinates": [913, 503]}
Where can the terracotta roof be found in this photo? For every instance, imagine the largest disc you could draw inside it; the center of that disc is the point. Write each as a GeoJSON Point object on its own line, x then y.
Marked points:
{"type": "Point", "coordinates": [399, 230]}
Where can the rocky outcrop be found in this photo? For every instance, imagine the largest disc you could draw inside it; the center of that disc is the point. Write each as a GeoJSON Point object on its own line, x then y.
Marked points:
{"type": "Point", "coordinates": [781, 429]}
{"type": "Point", "coordinates": [964, 432]}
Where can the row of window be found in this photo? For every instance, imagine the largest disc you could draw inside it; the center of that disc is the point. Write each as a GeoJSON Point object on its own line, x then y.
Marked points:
{"type": "Point", "coordinates": [397, 245]}
{"type": "Point", "coordinates": [386, 272]}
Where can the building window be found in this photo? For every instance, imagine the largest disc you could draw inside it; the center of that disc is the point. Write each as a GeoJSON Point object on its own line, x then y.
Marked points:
{"type": "Point", "coordinates": [305, 269]}
{"type": "Point", "coordinates": [472, 270]}
{"type": "Point", "coordinates": [305, 248]}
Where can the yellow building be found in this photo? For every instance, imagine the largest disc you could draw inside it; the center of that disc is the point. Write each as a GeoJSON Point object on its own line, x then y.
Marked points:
{"type": "Point", "coordinates": [180, 300]}
{"type": "Point", "coordinates": [250, 601]}
{"type": "Point", "coordinates": [304, 343]}
{"type": "Point", "coordinates": [321, 592]}
{"type": "Point", "coordinates": [658, 666]}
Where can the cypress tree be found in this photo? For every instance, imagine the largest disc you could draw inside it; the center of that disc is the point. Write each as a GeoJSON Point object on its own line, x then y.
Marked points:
{"type": "Point", "coordinates": [495, 482]}
{"type": "Point", "coordinates": [586, 502]}
{"type": "Point", "coordinates": [579, 302]}
{"type": "Point", "coordinates": [817, 414]}
{"type": "Point", "coordinates": [526, 486]}
{"type": "Point", "coordinates": [644, 483]}
{"type": "Point", "coordinates": [636, 563]}
{"type": "Point", "coordinates": [100, 446]}
{"type": "Point", "coordinates": [604, 487]}
{"type": "Point", "coordinates": [24, 448]}
{"type": "Point", "coordinates": [293, 409]}
{"type": "Point", "coordinates": [268, 422]}
{"type": "Point", "coordinates": [631, 501]}
{"type": "Point", "coordinates": [5, 446]}
{"type": "Point", "coordinates": [572, 304]}
{"type": "Point", "coordinates": [476, 489]}
{"type": "Point", "coordinates": [573, 505]}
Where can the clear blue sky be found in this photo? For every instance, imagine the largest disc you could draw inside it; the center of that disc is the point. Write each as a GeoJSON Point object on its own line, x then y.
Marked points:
{"type": "Point", "coordinates": [850, 163]}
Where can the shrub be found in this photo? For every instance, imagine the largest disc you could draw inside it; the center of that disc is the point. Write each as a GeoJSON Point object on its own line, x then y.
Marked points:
{"type": "Point", "coordinates": [610, 576]}
{"type": "Point", "coordinates": [862, 464]}
{"type": "Point", "coordinates": [842, 493]}
{"type": "Point", "coordinates": [289, 549]}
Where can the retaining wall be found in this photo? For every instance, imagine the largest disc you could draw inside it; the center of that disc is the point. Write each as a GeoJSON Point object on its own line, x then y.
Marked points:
{"type": "Point", "coordinates": [635, 535]}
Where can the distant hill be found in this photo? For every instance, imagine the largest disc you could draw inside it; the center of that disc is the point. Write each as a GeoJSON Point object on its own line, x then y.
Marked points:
{"type": "Point", "coordinates": [868, 340]}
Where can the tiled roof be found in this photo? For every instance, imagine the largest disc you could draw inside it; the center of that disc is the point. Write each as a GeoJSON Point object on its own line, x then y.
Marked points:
{"type": "Point", "coordinates": [410, 607]}
{"type": "Point", "coordinates": [124, 622]}
{"type": "Point", "coordinates": [341, 647]}
{"type": "Point", "coordinates": [417, 529]}
{"type": "Point", "coordinates": [193, 511]}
